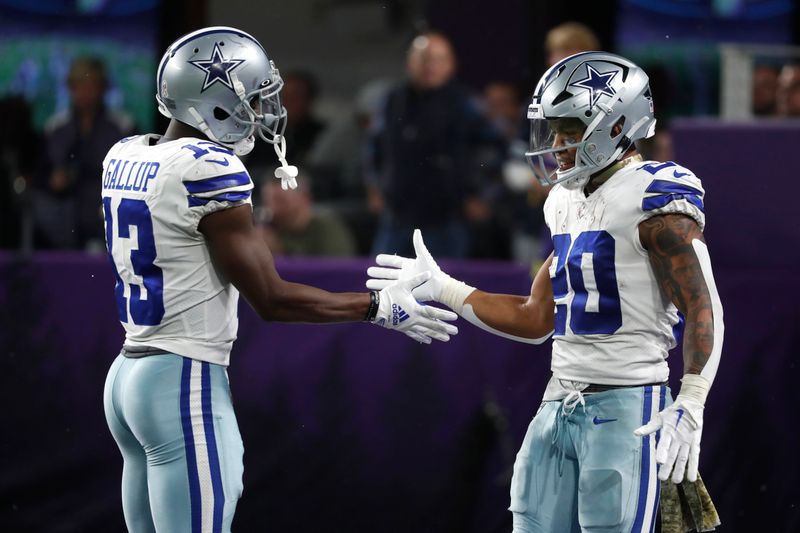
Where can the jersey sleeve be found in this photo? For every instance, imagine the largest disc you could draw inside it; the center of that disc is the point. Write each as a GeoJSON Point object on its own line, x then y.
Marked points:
{"type": "Point", "coordinates": [217, 180]}
{"type": "Point", "coordinates": [672, 189]}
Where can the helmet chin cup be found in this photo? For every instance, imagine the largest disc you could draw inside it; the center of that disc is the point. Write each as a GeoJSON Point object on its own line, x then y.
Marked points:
{"type": "Point", "coordinates": [552, 176]}
{"type": "Point", "coordinates": [573, 178]}
{"type": "Point", "coordinates": [244, 146]}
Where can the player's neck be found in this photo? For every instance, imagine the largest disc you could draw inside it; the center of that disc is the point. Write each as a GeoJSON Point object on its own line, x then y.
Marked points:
{"type": "Point", "coordinates": [178, 130]}
{"type": "Point", "coordinates": [631, 156]}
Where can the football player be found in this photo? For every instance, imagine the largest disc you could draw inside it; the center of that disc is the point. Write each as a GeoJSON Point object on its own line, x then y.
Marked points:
{"type": "Point", "coordinates": [629, 264]}
{"type": "Point", "coordinates": [181, 240]}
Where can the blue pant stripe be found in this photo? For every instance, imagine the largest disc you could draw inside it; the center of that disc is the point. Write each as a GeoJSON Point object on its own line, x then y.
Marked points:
{"type": "Point", "coordinates": [644, 480]}
{"type": "Point", "coordinates": [211, 442]}
{"type": "Point", "coordinates": [188, 439]}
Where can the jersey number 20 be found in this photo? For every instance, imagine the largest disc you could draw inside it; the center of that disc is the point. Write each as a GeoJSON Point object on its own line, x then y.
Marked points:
{"type": "Point", "coordinates": [146, 311]}
{"type": "Point", "coordinates": [587, 266]}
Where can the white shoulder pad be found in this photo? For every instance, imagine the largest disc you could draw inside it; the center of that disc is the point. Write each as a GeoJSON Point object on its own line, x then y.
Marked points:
{"type": "Point", "coordinates": [671, 189]}
{"type": "Point", "coordinates": [217, 175]}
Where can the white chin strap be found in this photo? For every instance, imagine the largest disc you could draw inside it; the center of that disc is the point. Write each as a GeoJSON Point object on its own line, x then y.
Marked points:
{"type": "Point", "coordinates": [286, 173]}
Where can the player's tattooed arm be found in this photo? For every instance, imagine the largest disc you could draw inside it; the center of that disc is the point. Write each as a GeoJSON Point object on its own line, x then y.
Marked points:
{"type": "Point", "coordinates": [668, 240]}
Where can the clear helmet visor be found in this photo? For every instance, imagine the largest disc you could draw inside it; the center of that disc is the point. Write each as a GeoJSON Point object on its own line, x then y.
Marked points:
{"type": "Point", "coordinates": [554, 147]}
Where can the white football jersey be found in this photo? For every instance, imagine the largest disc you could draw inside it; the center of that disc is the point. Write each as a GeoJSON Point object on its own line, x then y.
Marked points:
{"type": "Point", "coordinates": [612, 324]}
{"type": "Point", "coordinates": [169, 296]}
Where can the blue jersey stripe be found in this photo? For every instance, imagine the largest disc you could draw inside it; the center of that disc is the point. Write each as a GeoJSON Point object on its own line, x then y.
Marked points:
{"type": "Point", "coordinates": [656, 202]}
{"type": "Point", "coordinates": [235, 196]}
{"type": "Point", "coordinates": [188, 439]}
{"type": "Point", "coordinates": [677, 332]}
{"type": "Point", "coordinates": [644, 479]}
{"type": "Point", "coordinates": [211, 443]}
{"type": "Point", "coordinates": [667, 187]}
{"type": "Point", "coordinates": [226, 181]}
{"type": "Point", "coordinates": [197, 202]}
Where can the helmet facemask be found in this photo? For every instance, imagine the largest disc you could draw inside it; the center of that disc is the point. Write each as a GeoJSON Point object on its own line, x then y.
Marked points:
{"type": "Point", "coordinates": [261, 108]}
{"type": "Point", "coordinates": [546, 157]}
{"type": "Point", "coordinates": [258, 111]}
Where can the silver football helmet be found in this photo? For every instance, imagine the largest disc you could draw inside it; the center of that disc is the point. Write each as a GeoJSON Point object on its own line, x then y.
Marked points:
{"type": "Point", "coordinates": [221, 81]}
{"type": "Point", "coordinates": [595, 91]}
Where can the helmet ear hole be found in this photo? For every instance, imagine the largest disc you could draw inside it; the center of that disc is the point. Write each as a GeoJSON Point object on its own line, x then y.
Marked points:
{"type": "Point", "coordinates": [616, 129]}
{"type": "Point", "coordinates": [220, 114]}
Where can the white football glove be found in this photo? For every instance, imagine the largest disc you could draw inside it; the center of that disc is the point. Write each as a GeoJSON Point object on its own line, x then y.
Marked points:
{"type": "Point", "coordinates": [439, 288]}
{"type": "Point", "coordinates": [681, 426]}
{"type": "Point", "coordinates": [397, 309]}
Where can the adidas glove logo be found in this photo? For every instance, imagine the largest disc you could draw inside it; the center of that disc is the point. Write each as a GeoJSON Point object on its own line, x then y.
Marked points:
{"type": "Point", "coordinates": [398, 314]}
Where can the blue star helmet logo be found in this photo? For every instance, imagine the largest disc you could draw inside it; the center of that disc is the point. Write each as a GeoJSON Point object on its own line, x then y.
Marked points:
{"type": "Point", "coordinates": [217, 69]}
{"type": "Point", "coordinates": [597, 83]}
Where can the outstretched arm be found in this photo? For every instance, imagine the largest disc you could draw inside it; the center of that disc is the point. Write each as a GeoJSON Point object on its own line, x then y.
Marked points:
{"type": "Point", "coordinates": [243, 258]}
{"type": "Point", "coordinates": [527, 319]}
{"type": "Point", "coordinates": [681, 264]}
{"type": "Point", "coordinates": [239, 253]}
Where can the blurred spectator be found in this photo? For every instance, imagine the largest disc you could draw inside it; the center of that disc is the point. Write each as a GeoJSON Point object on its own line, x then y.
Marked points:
{"type": "Point", "coordinates": [789, 91]}
{"type": "Point", "coordinates": [657, 147]}
{"type": "Point", "coordinates": [765, 90]}
{"type": "Point", "coordinates": [299, 93]}
{"type": "Point", "coordinates": [19, 146]}
{"type": "Point", "coordinates": [492, 218]}
{"type": "Point", "coordinates": [518, 209]}
{"type": "Point", "coordinates": [292, 226]}
{"type": "Point", "coordinates": [567, 39]}
{"type": "Point", "coordinates": [335, 158]}
{"type": "Point", "coordinates": [337, 164]}
{"type": "Point", "coordinates": [67, 212]}
{"type": "Point", "coordinates": [420, 165]}
{"type": "Point", "coordinates": [503, 104]}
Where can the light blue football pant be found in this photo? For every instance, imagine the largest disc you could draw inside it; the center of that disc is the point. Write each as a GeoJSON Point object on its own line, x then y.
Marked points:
{"type": "Point", "coordinates": [581, 469]}
{"type": "Point", "coordinates": [173, 421]}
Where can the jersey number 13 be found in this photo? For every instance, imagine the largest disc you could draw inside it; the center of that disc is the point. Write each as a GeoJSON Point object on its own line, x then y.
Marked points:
{"type": "Point", "coordinates": [131, 213]}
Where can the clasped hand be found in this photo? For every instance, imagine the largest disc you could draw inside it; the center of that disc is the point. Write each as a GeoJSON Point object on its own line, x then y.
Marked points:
{"type": "Point", "coordinates": [393, 268]}
{"type": "Point", "coordinates": [398, 309]}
